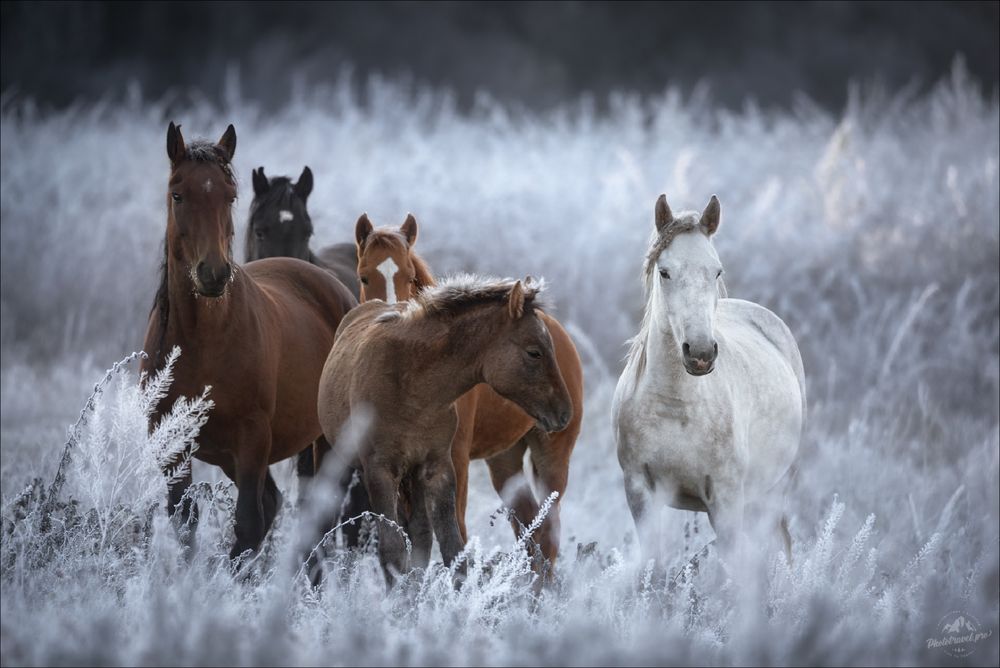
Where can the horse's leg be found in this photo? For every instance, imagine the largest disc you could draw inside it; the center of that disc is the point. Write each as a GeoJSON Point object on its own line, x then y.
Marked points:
{"type": "Point", "coordinates": [250, 474]}
{"type": "Point", "coordinates": [438, 481]}
{"type": "Point", "coordinates": [305, 463]}
{"type": "Point", "coordinates": [419, 524]}
{"type": "Point", "coordinates": [507, 475]}
{"type": "Point", "coordinates": [461, 448]}
{"type": "Point", "coordinates": [646, 514]}
{"type": "Point", "coordinates": [725, 512]}
{"type": "Point", "coordinates": [550, 459]}
{"type": "Point", "coordinates": [355, 503]}
{"type": "Point", "coordinates": [309, 460]}
{"type": "Point", "coordinates": [383, 490]}
{"type": "Point", "coordinates": [271, 501]}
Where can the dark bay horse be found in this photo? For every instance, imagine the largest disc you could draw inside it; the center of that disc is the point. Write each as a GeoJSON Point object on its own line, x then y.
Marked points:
{"type": "Point", "coordinates": [406, 365]}
{"type": "Point", "coordinates": [258, 334]}
{"type": "Point", "coordinates": [489, 426]}
{"type": "Point", "coordinates": [280, 226]}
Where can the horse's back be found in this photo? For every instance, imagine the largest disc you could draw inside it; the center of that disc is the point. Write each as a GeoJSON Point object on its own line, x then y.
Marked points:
{"type": "Point", "coordinates": [291, 279]}
{"type": "Point", "coordinates": [753, 320]}
{"type": "Point", "coordinates": [342, 261]}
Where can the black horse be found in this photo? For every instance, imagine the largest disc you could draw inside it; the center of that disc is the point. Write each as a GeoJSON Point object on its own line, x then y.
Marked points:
{"type": "Point", "coordinates": [280, 226]}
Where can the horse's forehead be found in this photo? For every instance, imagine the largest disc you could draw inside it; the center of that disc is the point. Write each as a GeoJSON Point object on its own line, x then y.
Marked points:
{"type": "Point", "coordinates": [376, 255]}
{"type": "Point", "coordinates": [201, 172]}
{"type": "Point", "coordinates": [690, 248]}
{"type": "Point", "coordinates": [533, 326]}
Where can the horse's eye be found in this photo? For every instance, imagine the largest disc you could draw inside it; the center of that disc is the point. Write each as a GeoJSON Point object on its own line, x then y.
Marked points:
{"type": "Point", "coordinates": [177, 197]}
{"type": "Point", "coordinates": [534, 354]}
{"type": "Point", "coordinates": [664, 273]}
{"type": "Point", "coordinates": [364, 280]}
{"type": "Point", "coordinates": [260, 232]}
{"type": "Point", "coordinates": [232, 200]}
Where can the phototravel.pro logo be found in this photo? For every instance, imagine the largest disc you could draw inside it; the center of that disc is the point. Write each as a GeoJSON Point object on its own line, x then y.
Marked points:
{"type": "Point", "coordinates": [958, 634]}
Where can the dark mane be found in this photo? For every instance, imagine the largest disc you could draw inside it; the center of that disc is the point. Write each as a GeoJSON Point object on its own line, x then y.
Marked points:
{"type": "Point", "coordinates": [458, 294]}
{"type": "Point", "coordinates": [161, 304]}
{"type": "Point", "coordinates": [196, 151]}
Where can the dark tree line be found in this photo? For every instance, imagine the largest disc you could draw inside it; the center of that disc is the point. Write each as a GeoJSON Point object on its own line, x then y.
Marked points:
{"type": "Point", "coordinates": [532, 53]}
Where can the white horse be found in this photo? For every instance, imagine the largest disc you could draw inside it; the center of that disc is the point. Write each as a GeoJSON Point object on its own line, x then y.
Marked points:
{"type": "Point", "coordinates": [708, 412]}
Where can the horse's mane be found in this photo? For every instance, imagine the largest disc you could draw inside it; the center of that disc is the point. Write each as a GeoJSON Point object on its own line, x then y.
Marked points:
{"type": "Point", "coordinates": [196, 151]}
{"type": "Point", "coordinates": [458, 294]}
{"type": "Point", "coordinates": [686, 221]}
{"type": "Point", "coordinates": [394, 240]}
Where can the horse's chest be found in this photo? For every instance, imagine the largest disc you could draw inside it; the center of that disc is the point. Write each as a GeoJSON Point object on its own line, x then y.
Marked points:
{"type": "Point", "coordinates": [679, 439]}
{"type": "Point", "coordinates": [236, 392]}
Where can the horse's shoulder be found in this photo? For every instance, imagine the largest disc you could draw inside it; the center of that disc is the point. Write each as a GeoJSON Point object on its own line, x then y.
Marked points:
{"type": "Point", "coordinates": [741, 317]}
{"type": "Point", "coordinates": [742, 313]}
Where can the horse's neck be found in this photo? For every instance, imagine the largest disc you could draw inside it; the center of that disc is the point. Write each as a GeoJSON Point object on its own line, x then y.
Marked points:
{"type": "Point", "coordinates": [664, 368]}
{"type": "Point", "coordinates": [455, 352]}
{"type": "Point", "coordinates": [424, 275]}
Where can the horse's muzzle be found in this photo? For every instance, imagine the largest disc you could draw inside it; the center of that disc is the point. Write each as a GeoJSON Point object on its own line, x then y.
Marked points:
{"type": "Point", "coordinates": [212, 282]}
{"type": "Point", "coordinates": [699, 368]}
{"type": "Point", "coordinates": [700, 362]}
{"type": "Point", "coordinates": [553, 423]}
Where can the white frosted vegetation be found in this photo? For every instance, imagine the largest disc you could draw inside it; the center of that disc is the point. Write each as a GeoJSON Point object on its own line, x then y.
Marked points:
{"type": "Point", "coordinates": [874, 235]}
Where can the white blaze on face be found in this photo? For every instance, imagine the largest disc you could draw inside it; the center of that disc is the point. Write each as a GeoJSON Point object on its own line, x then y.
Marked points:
{"type": "Point", "coordinates": [285, 216]}
{"type": "Point", "coordinates": [207, 185]}
{"type": "Point", "coordinates": [388, 270]}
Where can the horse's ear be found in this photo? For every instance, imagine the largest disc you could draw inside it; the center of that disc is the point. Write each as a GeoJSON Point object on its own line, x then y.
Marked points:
{"type": "Point", "coordinates": [228, 142]}
{"type": "Point", "coordinates": [362, 230]}
{"type": "Point", "coordinates": [710, 217]}
{"type": "Point", "coordinates": [409, 229]}
{"type": "Point", "coordinates": [663, 214]}
{"type": "Point", "coordinates": [175, 144]}
{"type": "Point", "coordinates": [304, 185]}
{"type": "Point", "coordinates": [515, 301]}
{"type": "Point", "coordinates": [260, 182]}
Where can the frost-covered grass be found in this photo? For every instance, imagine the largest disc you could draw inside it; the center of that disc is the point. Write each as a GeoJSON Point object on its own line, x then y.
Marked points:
{"type": "Point", "coordinates": [874, 235]}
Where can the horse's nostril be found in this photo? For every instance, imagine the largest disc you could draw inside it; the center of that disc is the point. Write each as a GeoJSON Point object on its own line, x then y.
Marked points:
{"type": "Point", "coordinates": [686, 349]}
{"type": "Point", "coordinates": [716, 347]}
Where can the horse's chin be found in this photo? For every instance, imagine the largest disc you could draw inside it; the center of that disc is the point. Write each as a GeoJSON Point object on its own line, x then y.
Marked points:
{"type": "Point", "coordinates": [212, 294]}
{"type": "Point", "coordinates": [544, 425]}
